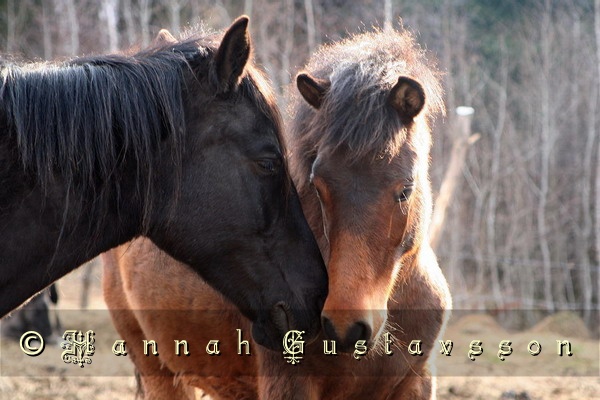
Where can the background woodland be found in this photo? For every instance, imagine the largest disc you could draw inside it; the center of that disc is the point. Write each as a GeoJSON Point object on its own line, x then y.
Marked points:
{"type": "Point", "coordinates": [522, 221]}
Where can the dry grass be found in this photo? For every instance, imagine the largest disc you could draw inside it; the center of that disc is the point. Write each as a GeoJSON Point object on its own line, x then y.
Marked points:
{"type": "Point", "coordinates": [47, 377]}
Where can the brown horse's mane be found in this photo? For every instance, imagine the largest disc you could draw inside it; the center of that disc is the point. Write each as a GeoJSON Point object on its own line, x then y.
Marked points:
{"type": "Point", "coordinates": [371, 63]}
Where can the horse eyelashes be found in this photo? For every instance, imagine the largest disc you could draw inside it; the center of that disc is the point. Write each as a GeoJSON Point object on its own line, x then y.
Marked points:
{"type": "Point", "coordinates": [402, 199]}
{"type": "Point", "coordinates": [407, 192]}
{"type": "Point", "coordinates": [404, 195]}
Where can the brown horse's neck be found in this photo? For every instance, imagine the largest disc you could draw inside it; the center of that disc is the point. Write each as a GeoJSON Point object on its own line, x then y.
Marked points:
{"type": "Point", "coordinates": [420, 284]}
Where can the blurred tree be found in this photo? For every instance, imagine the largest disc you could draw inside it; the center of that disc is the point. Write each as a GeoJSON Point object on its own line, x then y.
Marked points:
{"type": "Point", "coordinates": [523, 225]}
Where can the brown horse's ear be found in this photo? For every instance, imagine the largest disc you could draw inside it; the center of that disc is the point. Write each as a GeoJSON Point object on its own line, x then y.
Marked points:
{"type": "Point", "coordinates": [312, 89]}
{"type": "Point", "coordinates": [407, 97]}
{"type": "Point", "coordinates": [233, 53]}
{"type": "Point", "coordinates": [164, 38]}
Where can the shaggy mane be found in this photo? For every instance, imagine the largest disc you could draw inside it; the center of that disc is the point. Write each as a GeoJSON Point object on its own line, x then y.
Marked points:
{"type": "Point", "coordinates": [362, 70]}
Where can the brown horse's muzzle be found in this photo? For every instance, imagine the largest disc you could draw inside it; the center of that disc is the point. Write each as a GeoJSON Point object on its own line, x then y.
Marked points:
{"type": "Point", "coordinates": [348, 319]}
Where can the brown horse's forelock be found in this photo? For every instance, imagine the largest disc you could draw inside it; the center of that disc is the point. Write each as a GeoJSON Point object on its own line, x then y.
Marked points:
{"type": "Point", "coordinates": [355, 113]}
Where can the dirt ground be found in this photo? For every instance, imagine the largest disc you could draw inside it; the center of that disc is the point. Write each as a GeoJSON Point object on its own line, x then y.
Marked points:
{"type": "Point", "coordinates": [520, 377]}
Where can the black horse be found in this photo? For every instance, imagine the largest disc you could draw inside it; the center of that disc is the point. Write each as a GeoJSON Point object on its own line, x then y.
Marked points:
{"type": "Point", "coordinates": [180, 143]}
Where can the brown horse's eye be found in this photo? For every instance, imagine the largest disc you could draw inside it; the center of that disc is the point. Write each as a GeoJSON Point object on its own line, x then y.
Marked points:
{"type": "Point", "coordinates": [404, 195]}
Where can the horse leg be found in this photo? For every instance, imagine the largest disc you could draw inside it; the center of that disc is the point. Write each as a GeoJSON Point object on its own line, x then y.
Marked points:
{"type": "Point", "coordinates": [286, 387]}
{"type": "Point", "coordinates": [156, 383]}
{"type": "Point", "coordinates": [274, 384]}
{"type": "Point", "coordinates": [419, 385]}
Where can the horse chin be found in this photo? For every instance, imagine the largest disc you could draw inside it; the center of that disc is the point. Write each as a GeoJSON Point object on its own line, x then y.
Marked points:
{"type": "Point", "coordinates": [271, 334]}
{"type": "Point", "coordinates": [265, 337]}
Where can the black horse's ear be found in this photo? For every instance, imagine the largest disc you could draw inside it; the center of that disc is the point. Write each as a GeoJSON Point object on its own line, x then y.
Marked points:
{"type": "Point", "coordinates": [312, 89]}
{"type": "Point", "coordinates": [164, 38]}
{"type": "Point", "coordinates": [407, 97]}
{"type": "Point", "coordinates": [233, 53]}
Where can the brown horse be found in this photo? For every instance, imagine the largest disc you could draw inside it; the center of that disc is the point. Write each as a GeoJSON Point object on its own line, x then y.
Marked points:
{"type": "Point", "coordinates": [359, 151]}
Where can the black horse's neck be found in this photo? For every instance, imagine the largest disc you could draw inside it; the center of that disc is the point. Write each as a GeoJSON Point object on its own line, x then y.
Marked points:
{"type": "Point", "coordinates": [77, 144]}
{"type": "Point", "coordinates": [46, 233]}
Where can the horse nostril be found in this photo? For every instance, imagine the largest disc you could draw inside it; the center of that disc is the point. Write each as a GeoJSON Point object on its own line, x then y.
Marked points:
{"type": "Point", "coordinates": [359, 331]}
{"type": "Point", "coordinates": [281, 316]}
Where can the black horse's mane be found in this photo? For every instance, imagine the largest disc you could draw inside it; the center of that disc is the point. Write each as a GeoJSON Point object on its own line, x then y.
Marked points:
{"type": "Point", "coordinates": [81, 119]}
{"type": "Point", "coordinates": [78, 119]}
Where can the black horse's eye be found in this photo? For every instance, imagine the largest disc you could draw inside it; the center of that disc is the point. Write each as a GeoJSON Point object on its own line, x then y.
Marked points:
{"type": "Point", "coordinates": [404, 195]}
{"type": "Point", "coordinates": [269, 165]}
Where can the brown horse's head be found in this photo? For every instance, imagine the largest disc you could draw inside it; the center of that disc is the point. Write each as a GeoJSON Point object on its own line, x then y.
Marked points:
{"type": "Point", "coordinates": [360, 151]}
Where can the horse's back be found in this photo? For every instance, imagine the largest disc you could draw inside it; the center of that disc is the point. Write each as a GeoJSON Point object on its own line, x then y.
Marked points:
{"type": "Point", "coordinates": [140, 268]}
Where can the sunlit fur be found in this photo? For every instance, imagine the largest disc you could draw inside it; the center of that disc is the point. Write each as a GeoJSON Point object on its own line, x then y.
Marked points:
{"type": "Point", "coordinates": [360, 145]}
{"type": "Point", "coordinates": [363, 146]}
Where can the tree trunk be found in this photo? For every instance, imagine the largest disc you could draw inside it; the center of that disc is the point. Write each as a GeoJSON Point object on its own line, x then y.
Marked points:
{"type": "Point", "coordinates": [11, 25]}
{"type": "Point", "coordinates": [74, 27]}
{"type": "Point", "coordinates": [461, 141]}
{"type": "Point", "coordinates": [129, 22]}
{"type": "Point", "coordinates": [495, 179]}
{"type": "Point", "coordinates": [46, 31]}
{"type": "Point", "coordinates": [110, 13]}
{"type": "Point", "coordinates": [597, 191]}
{"type": "Point", "coordinates": [86, 281]}
{"type": "Point", "coordinates": [546, 150]}
{"type": "Point", "coordinates": [585, 229]}
{"type": "Point", "coordinates": [288, 46]}
{"type": "Point", "coordinates": [387, 15]}
{"type": "Point", "coordinates": [145, 16]}
{"type": "Point", "coordinates": [310, 26]}
{"type": "Point", "coordinates": [175, 13]}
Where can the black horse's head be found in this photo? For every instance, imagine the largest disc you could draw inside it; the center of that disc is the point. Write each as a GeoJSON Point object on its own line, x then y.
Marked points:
{"type": "Point", "coordinates": [236, 218]}
{"type": "Point", "coordinates": [180, 142]}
